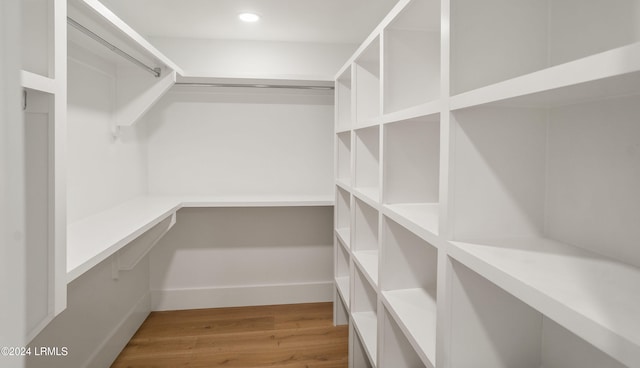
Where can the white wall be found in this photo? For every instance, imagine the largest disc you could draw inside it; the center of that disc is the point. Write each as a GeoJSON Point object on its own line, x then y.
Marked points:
{"type": "Point", "coordinates": [102, 171]}
{"type": "Point", "coordinates": [101, 316]}
{"type": "Point", "coordinates": [244, 256]}
{"type": "Point", "coordinates": [241, 142]}
{"type": "Point", "coordinates": [12, 205]}
{"type": "Point", "coordinates": [268, 59]}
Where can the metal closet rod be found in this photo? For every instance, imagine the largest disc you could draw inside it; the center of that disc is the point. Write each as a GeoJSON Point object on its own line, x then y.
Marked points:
{"type": "Point", "coordinates": [248, 85]}
{"type": "Point", "coordinates": [112, 47]}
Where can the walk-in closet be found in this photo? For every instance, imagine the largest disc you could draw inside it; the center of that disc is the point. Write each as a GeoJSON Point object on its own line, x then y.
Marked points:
{"type": "Point", "coordinates": [381, 183]}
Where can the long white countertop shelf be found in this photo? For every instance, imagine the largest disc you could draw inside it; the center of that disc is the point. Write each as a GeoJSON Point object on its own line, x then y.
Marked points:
{"type": "Point", "coordinates": [595, 297]}
{"type": "Point", "coordinates": [95, 238]}
{"type": "Point", "coordinates": [608, 74]}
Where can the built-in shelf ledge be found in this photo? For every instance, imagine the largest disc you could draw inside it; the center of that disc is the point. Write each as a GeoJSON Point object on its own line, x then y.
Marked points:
{"type": "Point", "coordinates": [367, 261]}
{"type": "Point", "coordinates": [95, 238]}
{"type": "Point", "coordinates": [595, 297]}
{"type": "Point", "coordinates": [608, 74]}
{"type": "Point", "coordinates": [366, 325]}
{"type": "Point", "coordinates": [37, 82]}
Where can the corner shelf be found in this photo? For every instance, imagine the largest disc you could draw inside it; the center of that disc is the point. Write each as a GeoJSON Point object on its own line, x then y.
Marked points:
{"type": "Point", "coordinates": [412, 56]}
{"type": "Point", "coordinates": [491, 328]}
{"type": "Point", "coordinates": [367, 84]}
{"type": "Point", "coordinates": [97, 237]}
{"type": "Point", "coordinates": [408, 283]}
{"type": "Point", "coordinates": [365, 240]}
{"type": "Point", "coordinates": [364, 314]}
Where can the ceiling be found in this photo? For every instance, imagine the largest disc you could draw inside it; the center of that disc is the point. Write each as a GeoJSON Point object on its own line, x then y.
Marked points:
{"type": "Point", "coordinates": [326, 21]}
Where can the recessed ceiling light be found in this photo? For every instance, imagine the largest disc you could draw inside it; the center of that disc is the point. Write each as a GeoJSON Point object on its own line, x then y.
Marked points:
{"type": "Point", "coordinates": [249, 17]}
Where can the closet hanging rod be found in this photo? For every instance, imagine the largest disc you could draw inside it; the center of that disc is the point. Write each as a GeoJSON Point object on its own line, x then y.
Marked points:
{"type": "Point", "coordinates": [241, 85]}
{"type": "Point", "coordinates": [112, 47]}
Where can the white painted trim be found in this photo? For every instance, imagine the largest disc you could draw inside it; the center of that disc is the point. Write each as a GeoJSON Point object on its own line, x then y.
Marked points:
{"type": "Point", "coordinates": [109, 349]}
{"type": "Point", "coordinates": [235, 296]}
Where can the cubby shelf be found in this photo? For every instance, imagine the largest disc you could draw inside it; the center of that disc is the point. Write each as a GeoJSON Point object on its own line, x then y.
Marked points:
{"type": "Point", "coordinates": [608, 74]}
{"type": "Point", "coordinates": [342, 272]}
{"type": "Point", "coordinates": [415, 311]}
{"type": "Point", "coordinates": [366, 325]}
{"type": "Point", "coordinates": [504, 168]}
{"type": "Point", "coordinates": [343, 158]}
{"type": "Point", "coordinates": [420, 218]}
{"type": "Point", "coordinates": [364, 313]}
{"type": "Point", "coordinates": [37, 82]}
{"type": "Point", "coordinates": [367, 261]}
{"type": "Point", "coordinates": [344, 236]}
{"type": "Point", "coordinates": [492, 328]}
{"type": "Point", "coordinates": [343, 91]}
{"type": "Point", "coordinates": [343, 287]}
{"type": "Point", "coordinates": [397, 351]}
{"type": "Point", "coordinates": [591, 295]}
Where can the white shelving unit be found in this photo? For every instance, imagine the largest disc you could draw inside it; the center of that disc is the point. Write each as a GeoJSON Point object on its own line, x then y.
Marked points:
{"type": "Point", "coordinates": [342, 272]}
{"type": "Point", "coordinates": [500, 170]}
{"type": "Point", "coordinates": [344, 96]}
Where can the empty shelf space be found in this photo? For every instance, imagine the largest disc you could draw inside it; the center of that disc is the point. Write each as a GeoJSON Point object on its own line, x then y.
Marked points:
{"type": "Point", "coordinates": [420, 218]}
{"type": "Point", "coordinates": [370, 195]}
{"type": "Point", "coordinates": [343, 288]}
{"type": "Point", "coordinates": [366, 325]}
{"type": "Point", "coordinates": [93, 239]}
{"type": "Point", "coordinates": [415, 312]}
{"type": "Point", "coordinates": [367, 260]}
{"type": "Point", "coordinates": [593, 296]}
{"type": "Point", "coordinates": [611, 73]}
{"type": "Point", "coordinates": [344, 235]}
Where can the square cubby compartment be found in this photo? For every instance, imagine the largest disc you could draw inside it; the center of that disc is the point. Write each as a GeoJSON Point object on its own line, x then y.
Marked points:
{"type": "Point", "coordinates": [367, 162]}
{"type": "Point", "coordinates": [365, 240]}
{"type": "Point", "coordinates": [359, 358]}
{"type": "Point", "coordinates": [340, 309]}
{"type": "Point", "coordinates": [408, 282]}
{"type": "Point", "coordinates": [343, 216]}
{"type": "Point", "coordinates": [396, 350]}
{"type": "Point", "coordinates": [412, 56]}
{"type": "Point", "coordinates": [492, 328]}
{"type": "Point", "coordinates": [342, 271]}
{"type": "Point", "coordinates": [343, 101]}
{"type": "Point", "coordinates": [367, 76]}
{"type": "Point", "coordinates": [495, 40]}
{"type": "Point", "coordinates": [343, 158]}
{"type": "Point", "coordinates": [411, 171]}
{"type": "Point", "coordinates": [364, 314]}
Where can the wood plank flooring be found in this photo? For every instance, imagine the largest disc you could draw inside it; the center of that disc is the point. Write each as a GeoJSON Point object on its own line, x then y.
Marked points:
{"type": "Point", "coordinates": [281, 336]}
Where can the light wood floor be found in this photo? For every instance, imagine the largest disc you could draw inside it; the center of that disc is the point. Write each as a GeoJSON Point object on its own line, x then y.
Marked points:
{"type": "Point", "coordinates": [284, 336]}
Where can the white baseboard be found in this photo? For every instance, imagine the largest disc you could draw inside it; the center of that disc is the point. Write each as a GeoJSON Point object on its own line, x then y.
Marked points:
{"type": "Point", "coordinates": [218, 297]}
{"type": "Point", "coordinates": [113, 344]}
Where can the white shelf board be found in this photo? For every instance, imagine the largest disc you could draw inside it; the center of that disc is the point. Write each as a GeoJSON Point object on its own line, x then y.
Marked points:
{"type": "Point", "coordinates": [421, 219]}
{"type": "Point", "coordinates": [273, 79]}
{"type": "Point", "coordinates": [611, 73]}
{"type": "Point", "coordinates": [119, 32]}
{"type": "Point", "coordinates": [257, 201]}
{"type": "Point", "coordinates": [37, 82]}
{"type": "Point", "coordinates": [367, 260]}
{"type": "Point", "coordinates": [366, 324]}
{"type": "Point", "coordinates": [343, 288]}
{"type": "Point", "coordinates": [595, 297]}
{"type": "Point", "coordinates": [369, 195]}
{"type": "Point", "coordinates": [344, 183]}
{"type": "Point", "coordinates": [431, 109]}
{"type": "Point", "coordinates": [93, 239]}
{"type": "Point", "coordinates": [344, 235]}
{"type": "Point", "coordinates": [415, 311]}
{"type": "Point", "coordinates": [343, 130]}
{"type": "Point", "coordinates": [364, 124]}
